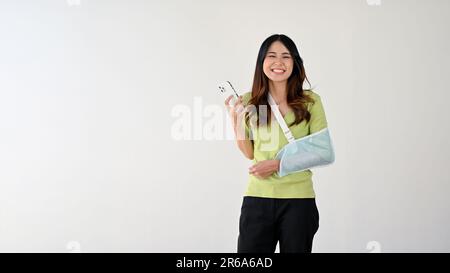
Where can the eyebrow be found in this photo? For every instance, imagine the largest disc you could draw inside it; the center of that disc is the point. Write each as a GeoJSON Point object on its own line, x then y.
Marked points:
{"type": "Point", "coordinates": [281, 53]}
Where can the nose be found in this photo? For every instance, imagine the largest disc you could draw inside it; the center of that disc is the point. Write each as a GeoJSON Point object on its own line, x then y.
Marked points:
{"type": "Point", "coordinates": [278, 63]}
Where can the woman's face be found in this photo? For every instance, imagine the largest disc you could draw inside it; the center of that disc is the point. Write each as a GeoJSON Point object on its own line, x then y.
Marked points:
{"type": "Point", "coordinates": [278, 62]}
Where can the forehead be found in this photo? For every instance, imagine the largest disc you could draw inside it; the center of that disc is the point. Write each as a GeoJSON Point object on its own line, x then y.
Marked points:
{"type": "Point", "coordinates": [277, 46]}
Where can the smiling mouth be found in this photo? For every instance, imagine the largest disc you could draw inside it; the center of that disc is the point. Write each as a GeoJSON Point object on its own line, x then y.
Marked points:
{"type": "Point", "coordinates": [278, 71]}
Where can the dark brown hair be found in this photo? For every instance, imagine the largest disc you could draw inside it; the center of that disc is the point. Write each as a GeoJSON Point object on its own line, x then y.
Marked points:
{"type": "Point", "coordinates": [296, 98]}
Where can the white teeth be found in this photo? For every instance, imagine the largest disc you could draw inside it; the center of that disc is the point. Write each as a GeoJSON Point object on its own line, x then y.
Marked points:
{"type": "Point", "coordinates": [278, 70]}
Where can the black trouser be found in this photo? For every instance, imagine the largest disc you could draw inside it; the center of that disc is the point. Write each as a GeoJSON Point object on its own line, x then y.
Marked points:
{"type": "Point", "coordinates": [265, 221]}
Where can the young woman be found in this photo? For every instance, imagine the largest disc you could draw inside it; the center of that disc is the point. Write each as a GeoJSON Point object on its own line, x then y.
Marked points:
{"type": "Point", "coordinates": [276, 208]}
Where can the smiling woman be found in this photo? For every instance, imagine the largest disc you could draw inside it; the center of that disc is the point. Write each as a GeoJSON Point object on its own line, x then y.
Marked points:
{"type": "Point", "coordinates": [285, 55]}
{"type": "Point", "coordinates": [278, 206]}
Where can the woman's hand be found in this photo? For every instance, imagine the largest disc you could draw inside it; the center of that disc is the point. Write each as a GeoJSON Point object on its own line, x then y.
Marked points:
{"type": "Point", "coordinates": [265, 168]}
{"type": "Point", "coordinates": [235, 112]}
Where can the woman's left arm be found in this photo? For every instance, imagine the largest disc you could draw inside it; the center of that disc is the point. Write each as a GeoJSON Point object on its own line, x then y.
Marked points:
{"type": "Point", "coordinates": [311, 151]}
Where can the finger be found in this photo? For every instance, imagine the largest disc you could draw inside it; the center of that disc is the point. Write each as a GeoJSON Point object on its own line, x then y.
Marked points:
{"type": "Point", "coordinates": [227, 101]}
{"type": "Point", "coordinates": [233, 101]}
{"type": "Point", "coordinates": [238, 100]}
{"type": "Point", "coordinates": [238, 108]}
{"type": "Point", "coordinates": [266, 174]}
{"type": "Point", "coordinates": [238, 103]}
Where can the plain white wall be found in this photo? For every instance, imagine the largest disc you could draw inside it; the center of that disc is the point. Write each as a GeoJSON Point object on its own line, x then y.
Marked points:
{"type": "Point", "coordinates": [88, 88]}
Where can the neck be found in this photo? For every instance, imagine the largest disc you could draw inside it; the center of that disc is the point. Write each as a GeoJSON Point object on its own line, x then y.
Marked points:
{"type": "Point", "coordinates": [278, 91]}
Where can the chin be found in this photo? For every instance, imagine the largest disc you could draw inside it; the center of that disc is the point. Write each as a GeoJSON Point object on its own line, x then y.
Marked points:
{"type": "Point", "coordinates": [278, 79]}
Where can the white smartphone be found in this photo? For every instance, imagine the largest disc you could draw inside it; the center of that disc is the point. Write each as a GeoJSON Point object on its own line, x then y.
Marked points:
{"type": "Point", "coordinates": [226, 89]}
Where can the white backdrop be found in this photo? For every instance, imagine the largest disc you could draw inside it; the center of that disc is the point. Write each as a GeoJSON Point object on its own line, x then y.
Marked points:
{"type": "Point", "coordinates": [90, 89]}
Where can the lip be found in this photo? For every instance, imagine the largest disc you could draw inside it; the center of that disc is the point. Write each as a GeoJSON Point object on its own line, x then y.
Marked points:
{"type": "Point", "coordinates": [277, 72]}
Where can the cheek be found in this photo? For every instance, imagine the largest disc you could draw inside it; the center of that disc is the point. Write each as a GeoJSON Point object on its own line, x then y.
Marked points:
{"type": "Point", "coordinates": [266, 67]}
{"type": "Point", "coordinates": [290, 70]}
{"type": "Point", "coordinates": [290, 64]}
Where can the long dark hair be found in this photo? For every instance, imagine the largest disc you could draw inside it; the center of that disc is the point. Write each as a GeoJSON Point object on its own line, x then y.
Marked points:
{"type": "Point", "coordinates": [296, 98]}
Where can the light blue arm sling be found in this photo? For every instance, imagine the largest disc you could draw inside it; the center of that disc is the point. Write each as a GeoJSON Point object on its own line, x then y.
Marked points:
{"type": "Point", "coordinates": [314, 150]}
